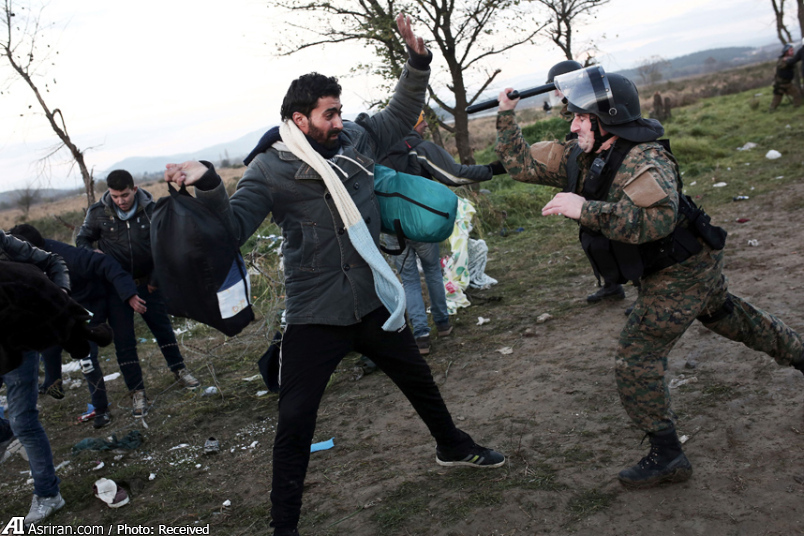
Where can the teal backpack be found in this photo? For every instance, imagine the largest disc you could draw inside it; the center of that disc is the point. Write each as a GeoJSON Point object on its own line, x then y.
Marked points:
{"type": "Point", "coordinates": [413, 207]}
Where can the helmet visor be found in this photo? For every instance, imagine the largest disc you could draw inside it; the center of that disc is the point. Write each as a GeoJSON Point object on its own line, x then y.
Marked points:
{"type": "Point", "coordinates": [588, 90]}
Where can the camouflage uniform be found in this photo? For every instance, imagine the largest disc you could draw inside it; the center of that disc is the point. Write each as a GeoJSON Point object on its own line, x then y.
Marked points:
{"type": "Point", "coordinates": [642, 206]}
{"type": "Point", "coordinates": [783, 83]}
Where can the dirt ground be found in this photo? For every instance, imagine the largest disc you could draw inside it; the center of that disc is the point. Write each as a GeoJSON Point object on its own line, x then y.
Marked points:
{"type": "Point", "coordinates": [550, 405]}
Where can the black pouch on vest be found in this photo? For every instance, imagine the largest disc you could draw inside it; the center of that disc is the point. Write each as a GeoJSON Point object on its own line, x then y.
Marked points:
{"type": "Point", "coordinates": [701, 223]}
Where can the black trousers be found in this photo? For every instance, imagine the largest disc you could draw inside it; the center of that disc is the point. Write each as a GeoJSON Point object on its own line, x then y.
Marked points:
{"type": "Point", "coordinates": [310, 353]}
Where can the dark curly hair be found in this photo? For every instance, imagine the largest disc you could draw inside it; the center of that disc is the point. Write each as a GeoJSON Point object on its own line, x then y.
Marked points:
{"type": "Point", "coordinates": [304, 92]}
{"type": "Point", "coordinates": [119, 179]}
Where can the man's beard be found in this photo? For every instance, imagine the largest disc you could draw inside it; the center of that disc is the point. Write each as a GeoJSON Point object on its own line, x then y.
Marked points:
{"type": "Point", "coordinates": [324, 139]}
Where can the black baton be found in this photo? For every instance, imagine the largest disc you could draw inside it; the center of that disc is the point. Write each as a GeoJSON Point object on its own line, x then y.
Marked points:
{"type": "Point", "coordinates": [486, 105]}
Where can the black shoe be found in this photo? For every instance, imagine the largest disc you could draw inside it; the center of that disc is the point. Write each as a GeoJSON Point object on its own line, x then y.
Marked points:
{"type": "Point", "coordinates": [101, 420]}
{"type": "Point", "coordinates": [799, 365]}
{"type": "Point", "coordinates": [424, 344]}
{"type": "Point", "coordinates": [665, 462]}
{"type": "Point", "coordinates": [607, 292]}
{"type": "Point", "coordinates": [367, 365]}
{"type": "Point", "coordinates": [629, 309]}
{"type": "Point", "coordinates": [476, 456]}
{"type": "Point", "coordinates": [286, 532]}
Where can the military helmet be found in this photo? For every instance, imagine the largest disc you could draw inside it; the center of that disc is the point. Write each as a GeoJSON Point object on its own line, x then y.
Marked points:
{"type": "Point", "coordinates": [612, 98]}
{"type": "Point", "coordinates": [562, 67]}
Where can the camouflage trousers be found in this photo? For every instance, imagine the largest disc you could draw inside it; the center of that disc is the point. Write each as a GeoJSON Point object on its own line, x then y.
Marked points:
{"type": "Point", "coordinates": [668, 303]}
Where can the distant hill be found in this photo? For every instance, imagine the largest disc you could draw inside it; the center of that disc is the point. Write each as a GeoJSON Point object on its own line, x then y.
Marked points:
{"type": "Point", "coordinates": [8, 199]}
{"type": "Point", "coordinates": [707, 61]}
{"type": "Point", "coordinates": [234, 151]}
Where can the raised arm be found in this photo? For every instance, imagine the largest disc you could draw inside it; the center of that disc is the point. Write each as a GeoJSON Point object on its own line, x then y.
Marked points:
{"type": "Point", "coordinates": [396, 120]}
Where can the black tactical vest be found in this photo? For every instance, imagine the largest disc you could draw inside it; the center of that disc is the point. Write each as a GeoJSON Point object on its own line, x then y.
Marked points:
{"type": "Point", "coordinates": [619, 262]}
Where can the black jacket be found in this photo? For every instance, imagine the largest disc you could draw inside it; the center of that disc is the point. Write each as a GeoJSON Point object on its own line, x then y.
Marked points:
{"type": "Point", "coordinates": [127, 241]}
{"type": "Point", "coordinates": [12, 249]}
{"type": "Point", "coordinates": [92, 274]}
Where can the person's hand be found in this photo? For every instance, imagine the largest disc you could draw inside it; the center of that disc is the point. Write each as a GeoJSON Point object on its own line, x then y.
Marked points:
{"type": "Point", "coordinates": [96, 250]}
{"type": "Point", "coordinates": [406, 31]}
{"type": "Point", "coordinates": [137, 303]}
{"type": "Point", "coordinates": [497, 168]}
{"type": "Point", "coordinates": [151, 288]}
{"type": "Point", "coordinates": [565, 204]}
{"type": "Point", "coordinates": [506, 103]}
{"type": "Point", "coordinates": [185, 173]}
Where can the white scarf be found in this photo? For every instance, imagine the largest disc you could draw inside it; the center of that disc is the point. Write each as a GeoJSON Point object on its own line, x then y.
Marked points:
{"type": "Point", "coordinates": [388, 287]}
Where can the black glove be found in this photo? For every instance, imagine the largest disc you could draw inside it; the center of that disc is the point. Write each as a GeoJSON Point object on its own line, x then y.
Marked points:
{"type": "Point", "coordinates": [497, 168]}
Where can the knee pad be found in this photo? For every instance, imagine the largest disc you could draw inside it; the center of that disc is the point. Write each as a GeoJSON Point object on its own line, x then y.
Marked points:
{"type": "Point", "coordinates": [722, 312]}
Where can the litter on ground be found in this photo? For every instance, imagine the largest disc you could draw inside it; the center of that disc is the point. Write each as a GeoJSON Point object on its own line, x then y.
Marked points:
{"type": "Point", "coordinates": [481, 320]}
{"type": "Point", "coordinates": [542, 318]}
{"type": "Point", "coordinates": [773, 154]}
{"type": "Point", "coordinates": [323, 445]}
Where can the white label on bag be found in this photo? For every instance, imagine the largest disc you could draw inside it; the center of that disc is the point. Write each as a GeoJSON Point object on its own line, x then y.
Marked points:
{"type": "Point", "coordinates": [234, 293]}
{"type": "Point", "coordinates": [233, 299]}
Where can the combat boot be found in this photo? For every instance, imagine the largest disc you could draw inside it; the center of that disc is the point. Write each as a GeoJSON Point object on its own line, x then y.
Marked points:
{"type": "Point", "coordinates": [609, 291]}
{"type": "Point", "coordinates": [665, 462]}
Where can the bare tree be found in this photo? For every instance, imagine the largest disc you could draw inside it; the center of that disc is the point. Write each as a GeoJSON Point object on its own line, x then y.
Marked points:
{"type": "Point", "coordinates": [465, 33]}
{"type": "Point", "coordinates": [781, 30]}
{"type": "Point", "coordinates": [564, 14]}
{"type": "Point", "coordinates": [801, 17]}
{"type": "Point", "coordinates": [20, 45]}
{"type": "Point", "coordinates": [650, 70]}
{"type": "Point", "coordinates": [27, 197]}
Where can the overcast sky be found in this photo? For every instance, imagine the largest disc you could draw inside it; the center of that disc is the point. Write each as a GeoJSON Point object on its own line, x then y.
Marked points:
{"type": "Point", "coordinates": [157, 77]}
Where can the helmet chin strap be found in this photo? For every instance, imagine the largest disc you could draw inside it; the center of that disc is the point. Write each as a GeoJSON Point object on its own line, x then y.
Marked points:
{"type": "Point", "coordinates": [600, 139]}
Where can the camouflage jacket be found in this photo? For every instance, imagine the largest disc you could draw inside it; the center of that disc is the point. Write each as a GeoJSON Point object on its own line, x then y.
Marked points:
{"type": "Point", "coordinates": [642, 203]}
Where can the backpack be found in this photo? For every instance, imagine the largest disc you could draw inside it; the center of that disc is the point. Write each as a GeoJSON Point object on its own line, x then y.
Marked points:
{"type": "Point", "coordinates": [413, 207]}
{"type": "Point", "coordinates": [198, 265]}
{"type": "Point", "coordinates": [398, 156]}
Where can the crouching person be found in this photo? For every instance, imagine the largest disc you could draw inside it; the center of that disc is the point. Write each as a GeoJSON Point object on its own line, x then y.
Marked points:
{"type": "Point", "coordinates": [314, 175]}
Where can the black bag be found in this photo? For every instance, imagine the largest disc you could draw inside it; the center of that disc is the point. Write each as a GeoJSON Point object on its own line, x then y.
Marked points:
{"type": "Point", "coordinates": [198, 265]}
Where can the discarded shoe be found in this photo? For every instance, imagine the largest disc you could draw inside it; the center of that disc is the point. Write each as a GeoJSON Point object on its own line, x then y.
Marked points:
{"type": "Point", "coordinates": [424, 344]}
{"type": "Point", "coordinates": [109, 492]}
{"type": "Point", "coordinates": [55, 390]}
{"type": "Point", "coordinates": [101, 420]}
{"type": "Point", "coordinates": [184, 377]}
{"type": "Point", "coordinates": [476, 456]}
{"type": "Point", "coordinates": [611, 291]}
{"type": "Point", "coordinates": [212, 446]}
{"type": "Point", "coordinates": [42, 507]}
{"type": "Point", "coordinates": [88, 415]}
{"type": "Point", "coordinates": [139, 404]}
{"type": "Point", "coordinates": [444, 329]}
